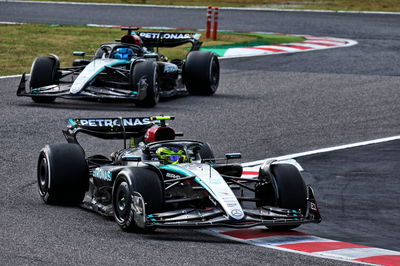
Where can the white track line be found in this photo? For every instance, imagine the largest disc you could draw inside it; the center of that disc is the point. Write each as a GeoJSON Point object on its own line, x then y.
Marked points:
{"type": "Point", "coordinates": [9, 77]}
{"type": "Point", "coordinates": [204, 7]}
{"type": "Point", "coordinates": [323, 150]}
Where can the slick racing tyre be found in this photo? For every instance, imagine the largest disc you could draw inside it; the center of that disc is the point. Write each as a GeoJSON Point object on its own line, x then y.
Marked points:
{"type": "Point", "coordinates": [201, 73]}
{"type": "Point", "coordinates": [129, 184]}
{"type": "Point", "coordinates": [291, 190]}
{"type": "Point", "coordinates": [146, 74]}
{"type": "Point", "coordinates": [62, 174]}
{"type": "Point", "coordinates": [43, 73]}
{"type": "Point", "coordinates": [206, 153]}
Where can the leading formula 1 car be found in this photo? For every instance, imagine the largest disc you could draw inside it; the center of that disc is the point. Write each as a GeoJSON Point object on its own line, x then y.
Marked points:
{"type": "Point", "coordinates": [159, 181]}
{"type": "Point", "coordinates": [129, 69]}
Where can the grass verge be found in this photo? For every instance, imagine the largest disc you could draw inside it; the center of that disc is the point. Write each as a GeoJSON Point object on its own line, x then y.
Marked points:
{"type": "Point", "coordinates": [20, 44]}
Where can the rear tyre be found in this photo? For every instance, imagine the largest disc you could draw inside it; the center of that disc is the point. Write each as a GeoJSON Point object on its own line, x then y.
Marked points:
{"type": "Point", "coordinates": [143, 181]}
{"type": "Point", "coordinates": [201, 73]}
{"type": "Point", "coordinates": [146, 74]}
{"type": "Point", "coordinates": [291, 190]}
{"type": "Point", "coordinates": [43, 73]}
{"type": "Point", "coordinates": [62, 174]}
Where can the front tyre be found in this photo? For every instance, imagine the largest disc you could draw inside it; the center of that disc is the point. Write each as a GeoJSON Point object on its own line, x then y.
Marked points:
{"type": "Point", "coordinates": [127, 206]}
{"type": "Point", "coordinates": [291, 190]}
{"type": "Point", "coordinates": [201, 73]}
{"type": "Point", "coordinates": [62, 174]}
{"type": "Point", "coordinates": [145, 74]}
{"type": "Point", "coordinates": [44, 72]}
{"type": "Point", "coordinates": [206, 153]}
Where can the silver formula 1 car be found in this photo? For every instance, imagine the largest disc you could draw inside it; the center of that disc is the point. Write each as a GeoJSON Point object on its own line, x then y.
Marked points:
{"type": "Point", "coordinates": [159, 181]}
{"type": "Point", "coordinates": [130, 69]}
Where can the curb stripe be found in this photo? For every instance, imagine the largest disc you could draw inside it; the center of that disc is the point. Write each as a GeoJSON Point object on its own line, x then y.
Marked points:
{"type": "Point", "coordinates": [311, 38]}
{"type": "Point", "coordinates": [358, 253]}
{"type": "Point", "coordinates": [320, 43]}
{"type": "Point", "coordinates": [297, 46]}
{"type": "Point", "coordinates": [302, 243]}
{"type": "Point", "coordinates": [266, 49]}
{"type": "Point", "coordinates": [321, 246]}
{"type": "Point", "coordinates": [276, 241]}
{"type": "Point", "coordinates": [311, 43]}
{"type": "Point", "coordinates": [260, 233]}
{"type": "Point", "coordinates": [390, 260]}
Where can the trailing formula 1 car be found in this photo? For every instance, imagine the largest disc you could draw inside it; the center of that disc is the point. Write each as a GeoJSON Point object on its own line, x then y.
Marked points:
{"type": "Point", "coordinates": [126, 70]}
{"type": "Point", "coordinates": [159, 181]}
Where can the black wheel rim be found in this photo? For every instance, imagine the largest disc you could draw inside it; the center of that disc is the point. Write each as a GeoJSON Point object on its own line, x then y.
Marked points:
{"type": "Point", "coordinates": [43, 176]}
{"type": "Point", "coordinates": [122, 202]}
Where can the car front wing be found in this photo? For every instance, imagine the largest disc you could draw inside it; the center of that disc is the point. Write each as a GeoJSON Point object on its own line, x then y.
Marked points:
{"type": "Point", "coordinates": [90, 92]}
{"type": "Point", "coordinates": [267, 216]}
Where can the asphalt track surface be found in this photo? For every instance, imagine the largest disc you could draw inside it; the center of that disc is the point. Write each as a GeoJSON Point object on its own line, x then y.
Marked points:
{"type": "Point", "coordinates": [265, 106]}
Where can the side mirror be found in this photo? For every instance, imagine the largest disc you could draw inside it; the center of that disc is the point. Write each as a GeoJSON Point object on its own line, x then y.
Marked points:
{"type": "Point", "coordinates": [132, 158]}
{"type": "Point", "coordinates": [233, 156]}
{"type": "Point", "coordinates": [151, 56]}
{"type": "Point", "coordinates": [79, 53]}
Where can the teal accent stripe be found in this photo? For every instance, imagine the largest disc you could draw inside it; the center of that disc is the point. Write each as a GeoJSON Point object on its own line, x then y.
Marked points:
{"type": "Point", "coordinates": [183, 171]}
{"type": "Point", "coordinates": [116, 63]}
{"type": "Point", "coordinates": [177, 169]}
{"type": "Point", "coordinates": [200, 182]}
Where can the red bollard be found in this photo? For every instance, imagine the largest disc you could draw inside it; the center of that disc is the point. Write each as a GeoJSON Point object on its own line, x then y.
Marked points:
{"type": "Point", "coordinates": [208, 25]}
{"type": "Point", "coordinates": [215, 26]}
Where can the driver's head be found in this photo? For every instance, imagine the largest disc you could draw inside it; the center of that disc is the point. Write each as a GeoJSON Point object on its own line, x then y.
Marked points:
{"type": "Point", "coordinates": [168, 155]}
{"type": "Point", "coordinates": [123, 53]}
{"type": "Point", "coordinates": [132, 39]}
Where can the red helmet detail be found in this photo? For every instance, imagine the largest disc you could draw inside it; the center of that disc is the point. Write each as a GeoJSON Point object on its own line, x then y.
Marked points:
{"type": "Point", "coordinates": [157, 133]}
{"type": "Point", "coordinates": [132, 39]}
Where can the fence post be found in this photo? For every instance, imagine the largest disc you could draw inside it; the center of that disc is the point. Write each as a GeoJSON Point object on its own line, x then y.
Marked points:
{"type": "Point", "coordinates": [215, 26]}
{"type": "Point", "coordinates": [208, 24]}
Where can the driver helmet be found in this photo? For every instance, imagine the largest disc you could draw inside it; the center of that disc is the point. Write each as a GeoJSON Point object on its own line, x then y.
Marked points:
{"type": "Point", "coordinates": [171, 155]}
{"type": "Point", "coordinates": [132, 39]}
{"type": "Point", "coordinates": [123, 53]}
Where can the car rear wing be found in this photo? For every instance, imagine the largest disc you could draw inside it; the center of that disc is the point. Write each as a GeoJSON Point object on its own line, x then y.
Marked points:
{"type": "Point", "coordinates": [170, 39]}
{"type": "Point", "coordinates": [112, 128]}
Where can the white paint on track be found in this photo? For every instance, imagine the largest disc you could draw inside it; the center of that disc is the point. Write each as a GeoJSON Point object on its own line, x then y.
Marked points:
{"type": "Point", "coordinates": [323, 150]}
{"type": "Point", "coordinates": [204, 7]}
{"type": "Point", "coordinates": [9, 77]}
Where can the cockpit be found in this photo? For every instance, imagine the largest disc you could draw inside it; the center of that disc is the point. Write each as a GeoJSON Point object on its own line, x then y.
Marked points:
{"type": "Point", "coordinates": [119, 51]}
{"type": "Point", "coordinates": [171, 152]}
